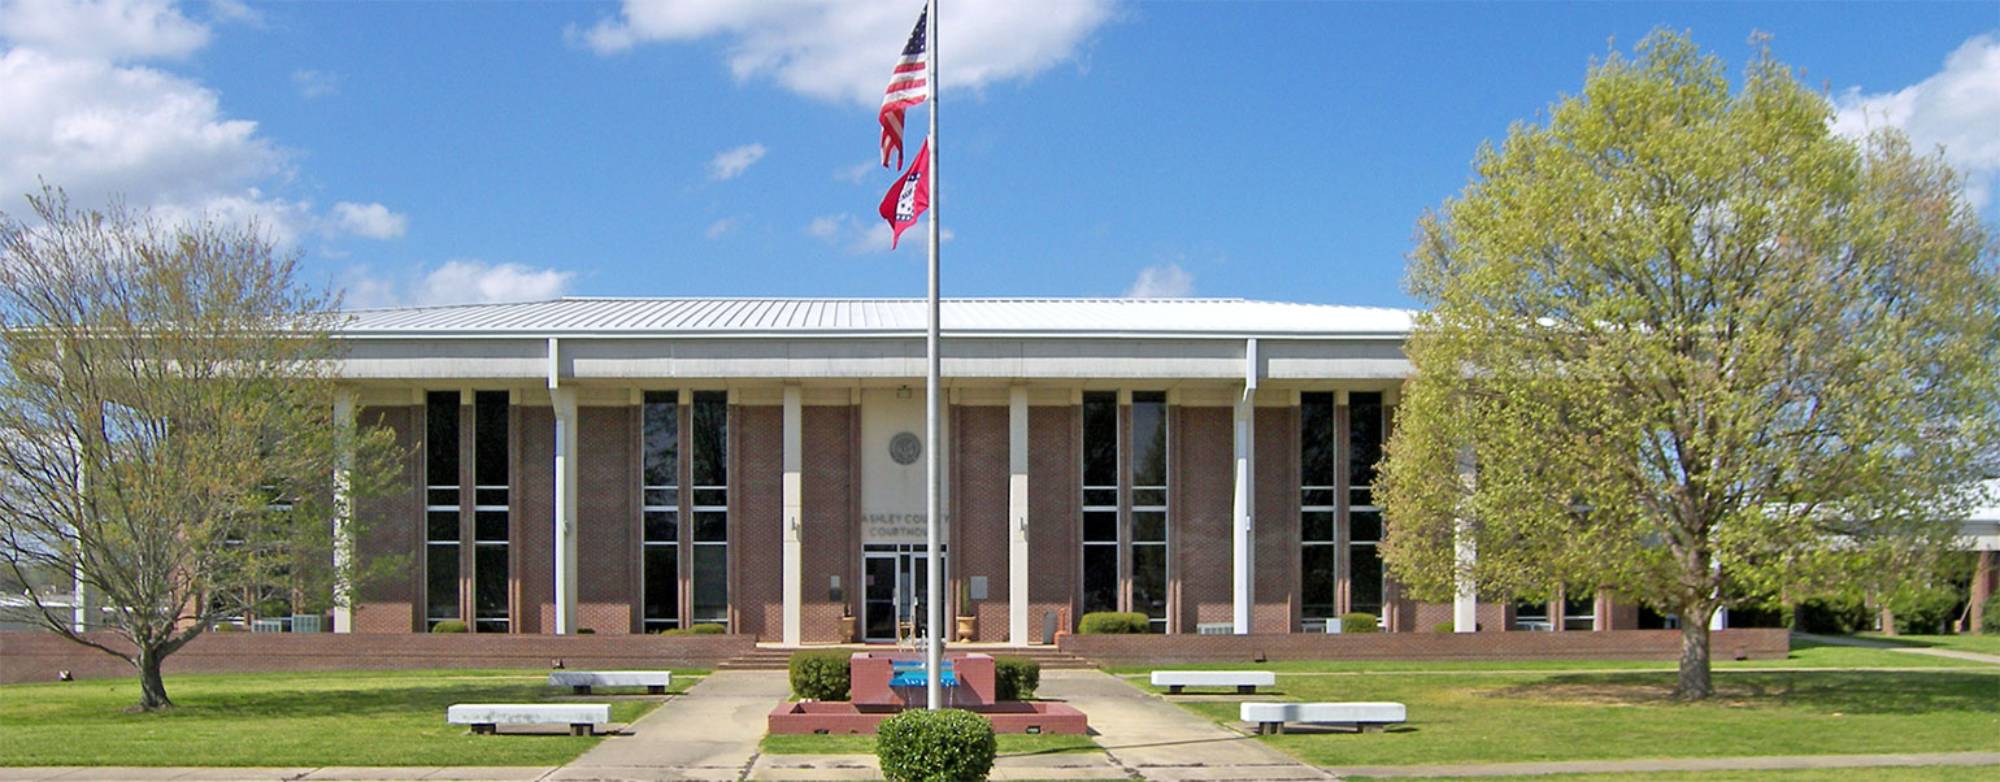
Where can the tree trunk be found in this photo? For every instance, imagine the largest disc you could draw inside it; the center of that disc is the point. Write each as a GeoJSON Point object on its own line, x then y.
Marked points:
{"type": "Point", "coordinates": [152, 688]}
{"type": "Point", "coordinates": [1694, 683]}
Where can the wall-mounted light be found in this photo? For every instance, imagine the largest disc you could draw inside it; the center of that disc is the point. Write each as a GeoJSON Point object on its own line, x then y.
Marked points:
{"type": "Point", "coordinates": [903, 392]}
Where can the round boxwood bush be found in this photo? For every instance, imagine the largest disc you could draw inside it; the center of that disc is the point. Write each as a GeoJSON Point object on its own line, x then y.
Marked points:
{"type": "Point", "coordinates": [448, 626]}
{"type": "Point", "coordinates": [705, 628]}
{"type": "Point", "coordinates": [1015, 678]}
{"type": "Point", "coordinates": [820, 676]}
{"type": "Point", "coordinates": [1113, 623]}
{"type": "Point", "coordinates": [1445, 628]}
{"type": "Point", "coordinates": [947, 745]}
{"type": "Point", "coordinates": [1359, 622]}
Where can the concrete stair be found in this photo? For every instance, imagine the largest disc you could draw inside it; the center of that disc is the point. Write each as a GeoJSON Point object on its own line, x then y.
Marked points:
{"type": "Point", "coordinates": [770, 658]}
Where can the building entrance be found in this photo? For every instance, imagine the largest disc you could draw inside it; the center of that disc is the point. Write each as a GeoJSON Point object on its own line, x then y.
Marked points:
{"type": "Point", "coordinates": [894, 600]}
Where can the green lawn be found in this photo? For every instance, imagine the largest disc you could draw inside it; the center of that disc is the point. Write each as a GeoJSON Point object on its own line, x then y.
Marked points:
{"type": "Point", "coordinates": [1804, 654]}
{"type": "Point", "coordinates": [1983, 644]}
{"type": "Point", "coordinates": [1497, 717]}
{"type": "Point", "coordinates": [353, 718]}
{"type": "Point", "coordinates": [1889, 774]}
{"type": "Point", "coordinates": [850, 744]}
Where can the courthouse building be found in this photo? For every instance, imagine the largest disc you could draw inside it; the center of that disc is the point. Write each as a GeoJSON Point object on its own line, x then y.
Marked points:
{"type": "Point", "coordinates": [631, 465]}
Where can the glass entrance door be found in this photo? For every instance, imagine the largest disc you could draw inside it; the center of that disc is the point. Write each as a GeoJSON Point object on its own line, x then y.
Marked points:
{"type": "Point", "coordinates": [893, 597]}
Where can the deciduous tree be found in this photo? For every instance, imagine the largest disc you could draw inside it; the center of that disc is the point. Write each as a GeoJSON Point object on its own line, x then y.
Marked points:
{"type": "Point", "coordinates": [1683, 342]}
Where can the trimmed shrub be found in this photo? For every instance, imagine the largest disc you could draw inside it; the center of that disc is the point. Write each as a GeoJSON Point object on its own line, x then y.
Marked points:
{"type": "Point", "coordinates": [1990, 623]}
{"type": "Point", "coordinates": [448, 626]}
{"type": "Point", "coordinates": [1445, 628]}
{"type": "Point", "coordinates": [705, 628]}
{"type": "Point", "coordinates": [1831, 617]}
{"type": "Point", "coordinates": [1113, 623]}
{"type": "Point", "coordinates": [1360, 622]}
{"type": "Point", "coordinates": [1015, 678]}
{"type": "Point", "coordinates": [820, 676]}
{"type": "Point", "coordinates": [948, 745]}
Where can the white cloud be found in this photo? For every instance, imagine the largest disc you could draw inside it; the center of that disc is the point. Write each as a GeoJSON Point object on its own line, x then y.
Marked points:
{"type": "Point", "coordinates": [867, 237]}
{"type": "Point", "coordinates": [372, 221]}
{"type": "Point", "coordinates": [315, 84]}
{"type": "Point", "coordinates": [717, 229]}
{"type": "Point", "coordinates": [464, 281]}
{"type": "Point", "coordinates": [1957, 108]}
{"type": "Point", "coordinates": [731, 163]}
{"type": "Point", "coordinates": [1164, 281]}
{"type": "Point", "coordinates": [102, 29]}
{"type": "Point", "coordinates": [861, 172]}
{"type": "Point", "coordinates": [841, 50]}
{"type": "Point", "coordinates": [78, 112]}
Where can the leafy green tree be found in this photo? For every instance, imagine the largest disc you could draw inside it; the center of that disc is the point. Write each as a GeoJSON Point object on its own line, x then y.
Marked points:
{"type": "Point", "coordinates": [1685, 343]}
{"type": "Point", "coordinates": [167, 428]}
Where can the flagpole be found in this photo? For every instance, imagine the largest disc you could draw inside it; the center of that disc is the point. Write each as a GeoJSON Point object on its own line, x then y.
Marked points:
{"type": "Point", "coordinates": [934, 576]}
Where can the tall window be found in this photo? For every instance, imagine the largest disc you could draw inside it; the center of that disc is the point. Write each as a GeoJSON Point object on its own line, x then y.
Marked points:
{"type": "Point", "coordinates": [661, 488]}
{"type": "Point", "coordinates": [489, 511]}
{"type": "Point", "coordinates": [1364, 518]}
{"type": "Point", "coordinates": [1100, 501]}
{"type": "Point", "coordinates": [441, 507]}
{"type": "Point", "coordinates": [1149, 507]}
{"type": "Point", "coordinates": [1317, 543]}
{"type": "Point", "coordinates": [1579, 611]}
{"type": "Point", "coordinates": [710, 452]}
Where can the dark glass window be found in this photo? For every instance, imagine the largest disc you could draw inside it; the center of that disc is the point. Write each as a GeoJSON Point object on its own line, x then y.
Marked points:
{"type": "Point", "coordinates": [1149, 583]}
{"type": "Point", "coordinates": [489, 428]}
{"type": "Point", "coordinates": [1316, 441]}
{"type": "Point", "coordinates": [1365, 526]}
{"type": "Point", "coordinates": [1100, 578]}
{"type": "Point", "coordinates": [1149, 438]}
{"type": "Point", "coordinates": [1100, 526]}
{"type": "Point", "coordinates": [711, 437]}
{"type": "Point", "coordinates": [490, 526]}
{"type": "Point", "coordinates": [441, 438]}
{"type": "Point", "coordinates": [1149, 526]}
{"type": "Point", "coordinates": [1316, 526]}
{"type": "Point", "coordinates": [662, 526]}
{"type": "Point", "coordinates": [711, 584]}
{"type": "Point", "coordinates": [490, 593]}
{"type": "Point", "coordinates": [441, 526]}
{"type": "Point", "coordinates": [1316, 582]}
{"type": "Point", "coordinates": [1365, 574]}
{"type": "Point", "coordinates": [441, 581]}
{"type": "Point", "coordinates": [1364, 437]}
{"type": "Point", "coordinates": [1100, 438]}
{"type": "Point", "coordinates": [1580, 613]}
{"type": "Point", "coordinates": [662, 587]}
{"type": "Point", "coordinates": [662, 439]}
{"type": "Point", "coordinates": [711, 526]}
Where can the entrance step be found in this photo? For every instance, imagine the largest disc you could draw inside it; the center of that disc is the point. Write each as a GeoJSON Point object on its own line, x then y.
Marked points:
{"type": "Point", "coordinates": [766, 658]}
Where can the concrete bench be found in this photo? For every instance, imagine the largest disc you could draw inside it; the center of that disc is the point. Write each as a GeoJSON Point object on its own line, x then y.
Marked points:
{"type": "Point", "coordinates": [486, 717]}
{"type": "Point", "coordinates": [1366, 717]}
{"type": "Point", "coordinates": [655, 682]}
{"type": "Point", "coordinates": [1243, 681]}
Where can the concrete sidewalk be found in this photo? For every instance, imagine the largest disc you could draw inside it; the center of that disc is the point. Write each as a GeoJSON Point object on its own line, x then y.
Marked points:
{"type": "Point", "coordinates": [1157, 740]}
{"type": "Point", "coordinates": [710, 732]}
{"type": "Point", "coordinates": [1869, 643]}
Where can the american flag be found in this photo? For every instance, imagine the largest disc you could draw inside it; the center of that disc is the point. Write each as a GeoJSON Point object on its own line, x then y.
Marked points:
{"type": "Point", "coordinates": [908, 86]}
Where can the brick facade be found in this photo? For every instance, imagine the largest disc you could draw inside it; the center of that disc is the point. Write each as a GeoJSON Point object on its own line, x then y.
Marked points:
{"type": "Point", "coordinates": [1053, 504]}
{"type": "Point", "coordinates": [1277, 522]}
{"type": "Point", "coordinates": [391, 536]}
{"type": "Point", "coordinates": [606, 542]}
{"type": "Point", "coordinates": [979, 545]}
{"type": "Point", "coordinates": [1754, 644]}
{"type": "Point", "coordinates": [757, 521]}
{"type": "Point", "coordinates": [1204, 514]}
{"type": "Point", "coordinates": [828, 521]}
{"type": "Point", "coordinates": [534, 522]}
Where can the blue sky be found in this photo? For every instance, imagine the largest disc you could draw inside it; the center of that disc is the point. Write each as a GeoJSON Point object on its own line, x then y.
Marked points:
{"type": "Point", "coordinates": [434, 152]}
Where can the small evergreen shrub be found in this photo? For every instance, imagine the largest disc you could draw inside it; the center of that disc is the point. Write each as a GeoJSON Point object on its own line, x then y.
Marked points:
{"type": "Point", "coordinates": [1359, 622]}
{"type": "Point", "coordinates": [1015, 678]}
{"type": "Point", "coordinates": [705, 628]}
{"type": "Point", "coordinates": [1445, 628]}
{"type": "Point", "coordinates": [948, 745]}
{"type": "Point", "coordinates": [820, 676]}
{"type": "Point", "coordinates": [448, 626]}
{"type": "Point", "coordinates": [1113, 623]}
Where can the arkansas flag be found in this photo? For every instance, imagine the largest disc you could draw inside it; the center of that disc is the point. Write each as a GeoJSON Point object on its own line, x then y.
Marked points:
{"type": "Point", "coordinates": [910, 196]}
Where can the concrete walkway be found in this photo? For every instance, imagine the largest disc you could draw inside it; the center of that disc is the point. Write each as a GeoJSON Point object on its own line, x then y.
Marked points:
{"type": "Point", "coordinates": [1870, 643]}
{"type": "Point", "coordinates": [709, 732]}
{"type": "Point", "coordinates": [1157, 740]}
{"type": "Point", "coordinates": [1760, 763]}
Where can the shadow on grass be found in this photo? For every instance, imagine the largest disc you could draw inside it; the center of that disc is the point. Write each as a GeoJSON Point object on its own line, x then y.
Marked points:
{"type": "Point", "coordinates": [1846, 692]}
{"type": "Point", "coordinates": [309, 703]}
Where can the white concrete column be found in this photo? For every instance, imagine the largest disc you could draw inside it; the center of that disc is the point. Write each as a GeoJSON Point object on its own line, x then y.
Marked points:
{"type": "Point", "coordinates": [566, 457]}
{"type": "Point", "coordinates": [1017, 515]}
{"type": "Point", "coordinates": [1243, 538]}
{"type": "Point", "coordinates": [1465, 602]}
{"type": "Point", "coordinates": [343, 511]}
{"type": "Point", "coordinates": [793, 514]}
{"type": "Point", "coordinates": [79, 591]}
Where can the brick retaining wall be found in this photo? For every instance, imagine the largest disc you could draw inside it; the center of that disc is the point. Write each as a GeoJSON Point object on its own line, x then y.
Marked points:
{"type": "Point", "coordinates": [37, 656]}
{"type": "Point", "coordinates": [1756, 644]}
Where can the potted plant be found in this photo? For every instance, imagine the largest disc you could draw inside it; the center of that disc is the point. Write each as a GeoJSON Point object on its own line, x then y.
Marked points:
{"type": "Point", "coordinates": [968, 624]}
{"type": "Point", "coordinates": [848, 631]}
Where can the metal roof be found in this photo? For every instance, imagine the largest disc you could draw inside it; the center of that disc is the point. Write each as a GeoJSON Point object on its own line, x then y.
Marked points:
{"type": "Point", "coordinates": [677, 317]}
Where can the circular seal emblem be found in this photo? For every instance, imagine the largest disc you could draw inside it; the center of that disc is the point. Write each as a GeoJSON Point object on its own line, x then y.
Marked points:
{"type": "Point", "coordinates": [905, 448]}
